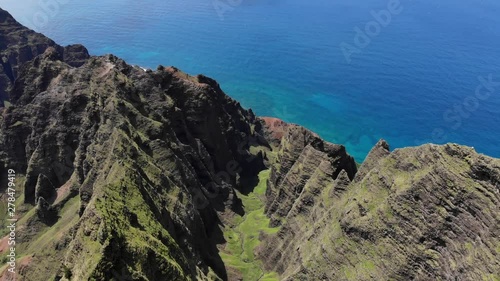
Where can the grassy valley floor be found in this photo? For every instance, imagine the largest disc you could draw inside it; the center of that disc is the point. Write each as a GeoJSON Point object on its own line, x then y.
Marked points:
{"type": "Point", "coordinates": [242, 236]}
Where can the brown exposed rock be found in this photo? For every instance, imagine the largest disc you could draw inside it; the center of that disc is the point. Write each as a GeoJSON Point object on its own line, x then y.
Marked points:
{"type": "Point", "coordinates": [273, 129]}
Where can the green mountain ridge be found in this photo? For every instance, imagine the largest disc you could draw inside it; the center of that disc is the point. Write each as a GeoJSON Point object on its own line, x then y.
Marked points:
{"type": "Point", "coordinates": [131, 174]}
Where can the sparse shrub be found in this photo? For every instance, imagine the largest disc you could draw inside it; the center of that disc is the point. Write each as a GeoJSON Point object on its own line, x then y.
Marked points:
{"type": "Point", "coordinates": [67, 272]}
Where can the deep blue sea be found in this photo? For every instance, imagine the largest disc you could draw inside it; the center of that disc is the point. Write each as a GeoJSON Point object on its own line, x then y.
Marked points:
{"type": "Point", "coordinates": [428, 71]}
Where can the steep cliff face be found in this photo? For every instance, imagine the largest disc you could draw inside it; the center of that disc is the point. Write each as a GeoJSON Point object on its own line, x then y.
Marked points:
{"type": "Point", "coordinates": [424, 213]}
{"type": "Point", "coordinates": [123, 171]}
{"type": "Point", "coordinates": [19, 45]}
{"type": "Point", "coordinates": [131, 174]}
{"type": "Point", "coordinates": [304, 164]}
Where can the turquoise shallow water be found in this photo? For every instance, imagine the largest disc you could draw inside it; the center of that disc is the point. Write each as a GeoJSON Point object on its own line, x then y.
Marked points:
{"type": "Point", "coordinates": [414, 82]}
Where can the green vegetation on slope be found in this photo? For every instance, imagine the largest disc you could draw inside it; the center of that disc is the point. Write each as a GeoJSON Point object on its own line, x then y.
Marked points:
{"type": "Point", "coordinates": [128, 217]}
{"type": "Point", "coordinates": [36, 238]}
{"type": "Point", "coordinates": [243, 236]}
{"type": "Point", "coordinates": [21, 208]}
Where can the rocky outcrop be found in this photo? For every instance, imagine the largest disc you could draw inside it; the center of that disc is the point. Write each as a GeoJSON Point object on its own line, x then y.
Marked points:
{"type": "Point", "coordinates": [377, 153]}
{"type": "Point", "coordinates": [19, 45]}
{"type": "Point", "coordinates": [303, 159]}
{"type": "Point", "coordinates": [44, 188]}
{"type": "Point", "coordinates": [424, 213]}
{"type": "Point", "coordinates": [273, 130]}
{"type": "Point", "coordinates": [151, 158]}
{"type": "Point", "coordinates": [75, 55]}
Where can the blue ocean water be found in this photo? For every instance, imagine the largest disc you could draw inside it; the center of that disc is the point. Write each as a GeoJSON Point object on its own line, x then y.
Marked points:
{"type": "Point", "coordinates": [415, 81]}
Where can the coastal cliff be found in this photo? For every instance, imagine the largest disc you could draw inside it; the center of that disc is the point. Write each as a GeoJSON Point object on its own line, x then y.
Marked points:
{"type": "Point", "coordinates": [131, 174]}
{"type": "Point", "coordinates": [120, 171]}
{"type": "Point", "coordinates": [424, 213]}
{"type": "Point", "coordinates": [19, 45]}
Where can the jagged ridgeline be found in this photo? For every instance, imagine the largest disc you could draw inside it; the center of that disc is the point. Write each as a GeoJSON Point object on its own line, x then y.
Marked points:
{"type": "Point", "coordinates": [131, 174]}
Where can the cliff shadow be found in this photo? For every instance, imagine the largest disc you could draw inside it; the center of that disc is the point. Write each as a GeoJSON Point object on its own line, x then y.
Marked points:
{"type": "Point", "coordinates": [248, 184]}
